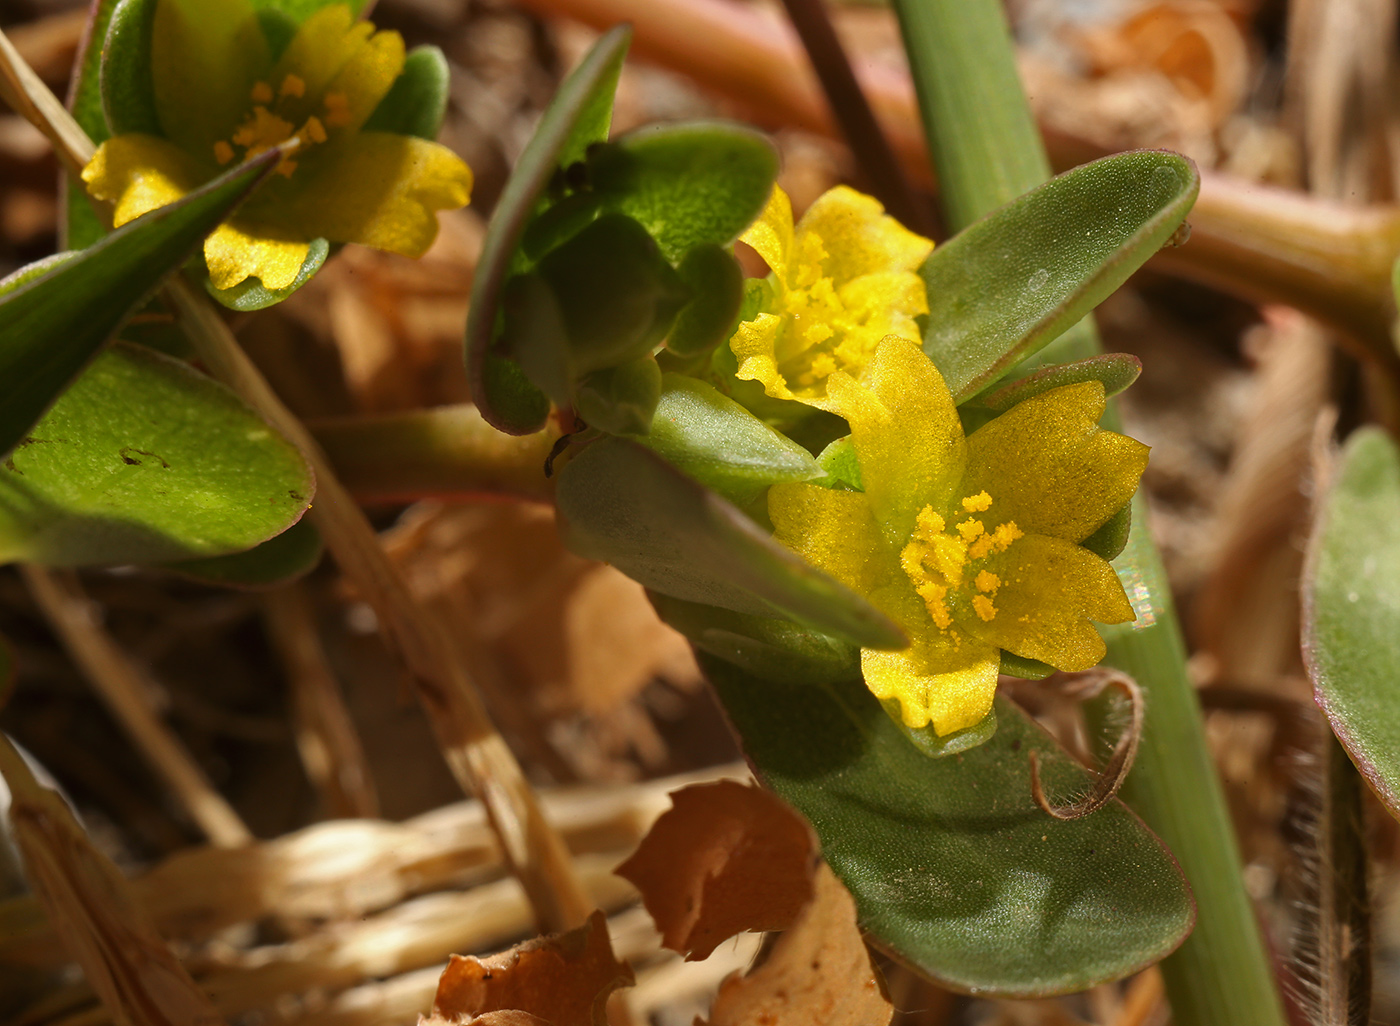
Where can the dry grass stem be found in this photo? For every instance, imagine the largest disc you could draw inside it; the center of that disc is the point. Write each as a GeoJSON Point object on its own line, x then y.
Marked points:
{"type": "Point", "coordinates": [125, 691]}
{"type": "Point", "coordinates": [326, 738]}
{"type": "Point", "coordinates": [126, 962]}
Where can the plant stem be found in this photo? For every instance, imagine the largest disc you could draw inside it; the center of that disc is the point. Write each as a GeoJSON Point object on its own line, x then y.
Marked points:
{"type": "Point", "coordinates": [987, 150]}
{"type": "Point", "coordinates": [867, 142]}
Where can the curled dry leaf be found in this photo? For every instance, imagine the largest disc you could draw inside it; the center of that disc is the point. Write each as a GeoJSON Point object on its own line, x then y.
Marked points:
{"type": "Point", "coordinates": [819, 972]}
{"type": "Point", "coordinates": [560, 980]}
{"type": "Point", "coordinates": [724, 859]}
{"type": "Point", "coordinates": [90, 904]}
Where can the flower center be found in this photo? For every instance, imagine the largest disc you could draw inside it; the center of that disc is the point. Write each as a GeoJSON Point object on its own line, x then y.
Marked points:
{"type": "Point", "coordinates": [266, 126]}
{"type": "Point", "coordinates": [940, 559]}
{"type": "Point", "coordinates": [816, 344]}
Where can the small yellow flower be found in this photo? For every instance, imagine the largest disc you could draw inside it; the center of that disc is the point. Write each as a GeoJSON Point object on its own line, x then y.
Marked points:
{"type": "Point", "coordinates": [220, 97]}
{"type": "Point", "coordinates": [970, 544]}
{"type": "Point", "coordinates": [843, 279]}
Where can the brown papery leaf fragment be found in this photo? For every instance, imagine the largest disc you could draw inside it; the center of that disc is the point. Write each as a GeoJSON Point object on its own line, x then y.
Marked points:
{"type": "Point", "coordinates": [509, 1017]}
{"type": "Point", "coordinates": [724, 859]}
{"type": "Point", "coordinates": [818, 972]}
{"type": "Point", "coordinates": [563, 979]}
{"type": "Point", "coordinates": [126, 961]}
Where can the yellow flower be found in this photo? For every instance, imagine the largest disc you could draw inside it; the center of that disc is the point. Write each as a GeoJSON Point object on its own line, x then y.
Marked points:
{"type": "Point", "coordinates": [969, 544]}
{"type": "Point", "coordinates": [220, 97]}
{"type": "Point", "coordinates": [842, 280]}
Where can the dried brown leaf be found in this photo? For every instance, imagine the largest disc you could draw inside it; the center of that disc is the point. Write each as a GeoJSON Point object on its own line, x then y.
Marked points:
{"type": "Point", "coordinates": [564, 979]}
{"type": "Point", "coordinates": [819, 972]}
{"type": "Point", "coordinates": [126, 961]}
{"type": "Point", "coordinates": [509, 1017]}
{"type": "Point", "coordinates": [724, 859]}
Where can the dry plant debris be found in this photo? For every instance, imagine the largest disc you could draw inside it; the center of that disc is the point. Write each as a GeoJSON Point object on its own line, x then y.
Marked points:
{"type": "Point", "coordinates": [561, 980]}
{"type": "Point", "coordinates": [726, 858]}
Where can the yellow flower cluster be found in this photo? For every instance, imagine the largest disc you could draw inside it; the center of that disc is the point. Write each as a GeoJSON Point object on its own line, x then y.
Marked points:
{"type": "Point", "coordinates": [219, 97]}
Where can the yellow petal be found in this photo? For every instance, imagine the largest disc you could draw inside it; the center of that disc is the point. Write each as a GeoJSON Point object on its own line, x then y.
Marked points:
{"type": "Point", "coordinates": [1049, 592]}
{"type": "Point", "coordinates": [859, 237]}
{"type": "Point", "coordinates": [332, 52]}
{"type": "Point", "coordinates": [885, 295]}
{"type": "Point", "coordinates": [206, 56]}
{"type": "Point", "coordinates": [754, 344]}
{"type": "Point", "coordinates": [1048, 466]}
{"type": "Point", "coordinates": [235, 253]}
{"type": "Point", "coordinates": [771, 234]}
{"type": "Point", "coordinates": [835, 532]}
{"type": "Point", "coordinates": [935, 682]}
{"type": "Point", "coordinates": [138, 173]}
{"type": "Point", "coordinates": [374, 188]}
{"type": "Point", "coordinates": [906, 433]}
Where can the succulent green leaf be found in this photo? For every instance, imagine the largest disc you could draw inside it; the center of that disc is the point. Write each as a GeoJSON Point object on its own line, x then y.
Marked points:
{"type": "Point", "coordinates": [841, 466]}
{"type": "Point", "coordinates": [578, 116]}
{"type": "Point", "coordinates": [1116, 371]}
{"type": "Point", "coordinates": [300, 10]}
{"type": "Point", "coordinates": [771, 649]}
{"type": "Point", "coordinates": [687, 184]}
{"type": "Point", "coordinates": [953, 868]}
{"type": "Point", "coordinates": [716, 283]}
{"type": "Point", "coordinates": [620, 400]}
{"type": "Point", "coordinates": [624, 505]}
{"type": "Point", "coordinates": [1027, 669]}
{"type": "Point", "coordinates": [1010, 283]}
{"type": "Point", "coordinates": [290, 555]}
{"type": "Point", "coordinates": [251, 294]}
{"type": "Point", "coordinates": [146, 460]}
{"type": "Point", "coordinates": [1111, 539]}
{"type": "Point", "coordinates": [128, 92]}
{"type": "Point", "coordinates": [54, 324]}
{"type": "Point", "coordinates": [417, 101]}
{"type": "Point", "coordinates": [711, 438]}
{"type": "Point", "coordinates": [79, 226]}
{"type": "Point", "coordinates": [1351, 610]}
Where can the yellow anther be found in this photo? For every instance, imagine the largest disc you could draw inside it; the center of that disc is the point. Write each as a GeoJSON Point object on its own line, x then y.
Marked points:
{"type": "Point", "coordinates": [262, 92]}
{"type": "Point", "coordinates": [985, 610]}
{"type": "Point", "coordinates": [998, 541]}
{"type": "Point", "coordinates": [315, 131]}
{"type": "Point", "coordinates": [933, 596]}
{"type": "Point", "coordinates": [286, 168]}
{"type": "Point", "coordinates": [970, 530]}
{"type": "Point", "coordinates": [262, 131]}
{"type": "Point", "coordinates": [987, 582]}
{"type": "Point", "coordinates": [337, 109]}
{"type": "Point", "coordinates": [979, 503]}
{"type": "Point", "coordinates": [223, 152]}
{"type": "Point", "coordinates": [928, 523]}
{"type": "Point", "coordinates": [292, 86]}
{"type": "Point", "coordinates": [818, 333]}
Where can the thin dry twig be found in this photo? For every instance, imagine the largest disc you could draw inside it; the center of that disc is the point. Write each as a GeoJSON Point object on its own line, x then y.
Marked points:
{"type": "Point", "coordinates": [474, 749]}
{"type": "Point", "coordinates": [123, 688]}
{"type": "Point", "coordinates": [1084, 687]}
{"type": "Point", "coordinates": [128, 965]}
{"type": "Point", "coordinates": [326, 737]}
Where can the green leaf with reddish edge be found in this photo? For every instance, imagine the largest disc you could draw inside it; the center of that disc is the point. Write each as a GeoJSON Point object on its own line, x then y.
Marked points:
{"type": "Point", "coordinates": [146, 460]}
{"type": "Point", "coordinates": [1008, 284]}
{"type": "Point", "coordinates": [52, 325]}
{"type": "Point", "coordinates": [1116, 371]}
{"type": "Point", "coordinates": [622, 504]}
{"type": "Point", "coordinates": [578, 116]}
{"type": "Point", "coordinates": [1351, 610]}
{"type": "Point", "coordinates": [953, 868]}
{"type": "Point", "coordinates": [300, 10]}
{"type": "Point", "coordinates": [290, 555]}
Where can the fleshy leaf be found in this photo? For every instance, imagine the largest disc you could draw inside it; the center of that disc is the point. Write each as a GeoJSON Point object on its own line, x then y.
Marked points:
{"type": "Point", "coordinates": [722, 445]}
{"type": "Point", "coordinates": [128, 93]}
{"type": "Point", "coordinates": [292, 554]}
{"type": "Point", "coordinates": [417, 102]}
{"type": "Point", "coordinates": [687, 184]}
{"type": "Point", "coordinates": [52, 325]}
{"type": "Point", "coordinates": [1351, 610]}
{"type": "Point", "coordinates": [953, 868]}
{"type": "Point", "coordinates": [1010, 283]}
{"type": "Point", "coordinates": [146, 460]}
{"type": "Point", "coordinates": [300, 10]}
{"type": "Point", "coordinates": [626, 506]}
{"type": "Point", "coordinates": [1115, 371]}
{"type": "Point", "coordinates": [578, 116]}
